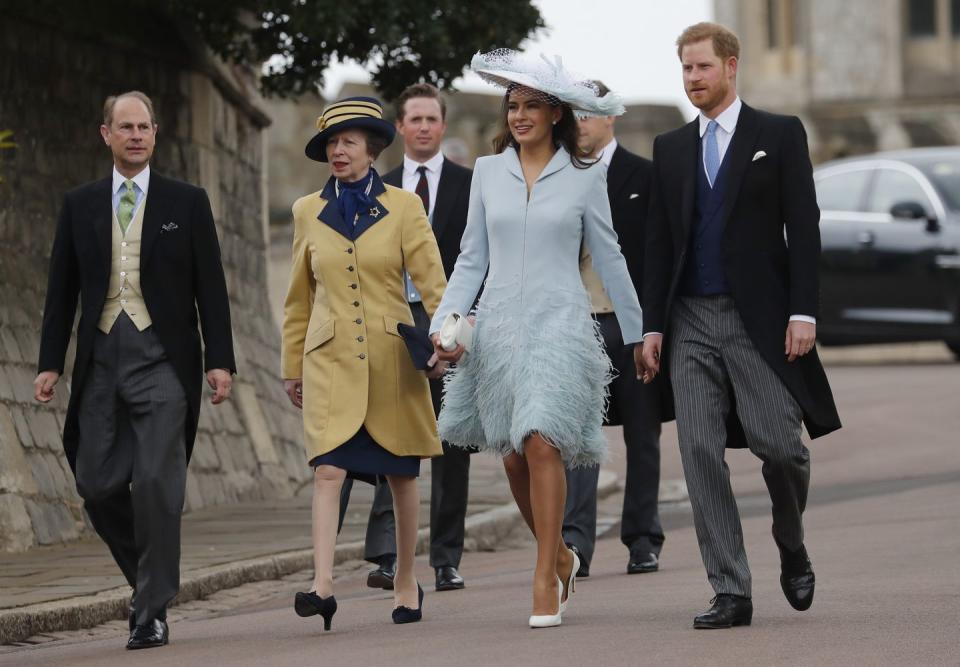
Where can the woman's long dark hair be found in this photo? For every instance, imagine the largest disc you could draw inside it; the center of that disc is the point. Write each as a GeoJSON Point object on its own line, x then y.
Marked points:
{"type": "Point", "coordinates": [565, 132]}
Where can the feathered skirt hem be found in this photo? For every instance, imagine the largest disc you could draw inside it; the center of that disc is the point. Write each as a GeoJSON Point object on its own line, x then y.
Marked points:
{"type": "Point", "coordinates": [541, 370]}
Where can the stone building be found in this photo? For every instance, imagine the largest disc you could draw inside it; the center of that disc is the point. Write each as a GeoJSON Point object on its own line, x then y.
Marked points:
{"type": "Point", "coordinates": [864, 75]}
{"type": "Point", "coordinates": [212, 133]}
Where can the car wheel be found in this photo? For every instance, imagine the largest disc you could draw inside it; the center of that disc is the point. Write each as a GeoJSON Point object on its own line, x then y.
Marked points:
{"type": "Point", "coordinates": [954, 346]}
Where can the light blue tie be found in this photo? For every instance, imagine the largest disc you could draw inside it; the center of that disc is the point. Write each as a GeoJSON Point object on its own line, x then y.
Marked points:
{"type": "Point", "coordinates": [711, 152]}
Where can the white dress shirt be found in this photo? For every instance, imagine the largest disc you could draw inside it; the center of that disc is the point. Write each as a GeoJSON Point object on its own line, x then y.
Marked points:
{"type": "Point", "coordinates": [726, 126]}
{"type": "Point", "coordinates": [411, 177]}
{"type": "Point", "coordinates": [141, 182]}
{"type": "Point", "coordinates": [607, 153]}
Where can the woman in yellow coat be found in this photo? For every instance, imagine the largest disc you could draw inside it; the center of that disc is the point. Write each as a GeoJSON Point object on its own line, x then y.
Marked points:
{"type": "Point", "coordinates": [366, 409]}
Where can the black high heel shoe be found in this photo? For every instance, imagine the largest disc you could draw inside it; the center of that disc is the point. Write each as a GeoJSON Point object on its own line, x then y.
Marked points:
{"type": "Point", "coordinates": [311, 604]}
{"type": "Point", "coordinates": [407, 615]}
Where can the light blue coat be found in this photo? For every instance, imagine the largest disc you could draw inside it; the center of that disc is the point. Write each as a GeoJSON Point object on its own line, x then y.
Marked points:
{"type": "Point", "coordinates": [537, 364]}
{"type": "Point", "coordinates": [533, 248]}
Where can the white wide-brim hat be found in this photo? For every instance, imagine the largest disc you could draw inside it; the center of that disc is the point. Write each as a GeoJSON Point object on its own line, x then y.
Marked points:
{"type": "Point", "coordinates": [506, 68]}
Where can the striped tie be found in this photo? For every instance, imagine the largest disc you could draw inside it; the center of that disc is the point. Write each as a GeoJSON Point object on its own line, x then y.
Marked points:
{"type": "Point", "coordinates": [128, 200]}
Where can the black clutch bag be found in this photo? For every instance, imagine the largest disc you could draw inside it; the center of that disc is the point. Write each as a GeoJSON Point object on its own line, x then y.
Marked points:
{"type": "Point", "coordinates": [418, 344]}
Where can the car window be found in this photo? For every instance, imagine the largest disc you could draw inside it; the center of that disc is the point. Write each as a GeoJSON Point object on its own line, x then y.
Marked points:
{"type": "Point", "coordinates": [843, 191]}
{"type": "Point", "coordinates": [945, 174]}
{"type": "Point", "coordinates": [896, 187]}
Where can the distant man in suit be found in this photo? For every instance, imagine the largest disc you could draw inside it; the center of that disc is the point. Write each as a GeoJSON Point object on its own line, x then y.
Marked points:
{"type": "Point", "coordinates": [141, 253]}
{"type": "Point", "coordinates": [730, 302]}
{"type": "Point", "coordinates": [444, 188]}
{"type": "Point", "coordinates": [633, 404]}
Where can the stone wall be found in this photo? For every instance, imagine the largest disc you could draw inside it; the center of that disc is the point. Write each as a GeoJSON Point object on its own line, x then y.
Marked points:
{"type": "Point", "coordinates": [52, 85]}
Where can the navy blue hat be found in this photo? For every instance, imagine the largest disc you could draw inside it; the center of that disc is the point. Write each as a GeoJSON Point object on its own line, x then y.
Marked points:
{"type": "Point", "coordinates": [351, 113]}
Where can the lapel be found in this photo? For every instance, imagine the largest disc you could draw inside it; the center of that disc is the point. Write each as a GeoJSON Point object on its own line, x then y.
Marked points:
{"type": "Point", "coordinates": [617, 173]}
{"type": "Point", "coordinates": [101, 216]}
{"type": "Point", "coordinates": [370, 217]}
{"type": "Point", "coordinates": [156, 207]}
{"type": "Point", "coordinates": [738, 157]}
{"type": "Point", "coordinates": [690, 154]}
{"type": "Point", "coordinates": [447, 190]}
{"type": "Point", "coordinates": [559, 160]}
{"type": "Point", "coordinates": [330, 213]}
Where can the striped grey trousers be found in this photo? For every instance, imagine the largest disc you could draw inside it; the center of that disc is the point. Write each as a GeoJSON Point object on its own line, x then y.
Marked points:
{"type": "Point", "coordinates": [714, 366]}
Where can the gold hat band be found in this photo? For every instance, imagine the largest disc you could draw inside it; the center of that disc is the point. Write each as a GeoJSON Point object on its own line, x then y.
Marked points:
{"type": "Point", "coordinates": [336, 113]}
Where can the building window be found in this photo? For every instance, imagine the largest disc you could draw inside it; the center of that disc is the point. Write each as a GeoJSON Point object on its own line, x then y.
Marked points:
{"type": "Point", "coordinates": [922, 17]}
{"type": "Point", "coordinates": [955, 17]}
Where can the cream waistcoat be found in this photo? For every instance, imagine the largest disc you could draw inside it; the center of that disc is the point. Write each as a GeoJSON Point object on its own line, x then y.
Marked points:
{"type": "Point", "coordinates": [123, 291]}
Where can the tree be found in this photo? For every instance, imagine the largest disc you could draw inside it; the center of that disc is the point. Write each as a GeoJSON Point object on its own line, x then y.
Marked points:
{"type": "Point", "coordinates": [401, 41]}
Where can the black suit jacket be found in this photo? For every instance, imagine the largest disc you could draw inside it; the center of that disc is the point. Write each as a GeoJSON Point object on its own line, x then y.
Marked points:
{"type": "Point", "coordinates": [628, 188]}
{"type": "Point", "coordinates": [771, 277]}
{"type": "Point", "coordinates": [181, 277]}
{"type": "Point", "coordinates": [450, 209]}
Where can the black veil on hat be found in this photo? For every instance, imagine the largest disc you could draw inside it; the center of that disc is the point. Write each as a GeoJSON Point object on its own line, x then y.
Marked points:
{"type": "Point", "coordinates": [365, 113]}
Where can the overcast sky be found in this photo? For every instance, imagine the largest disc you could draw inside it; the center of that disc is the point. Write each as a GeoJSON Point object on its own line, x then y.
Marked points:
{"type": "Point", "coordinates": [627, 43]}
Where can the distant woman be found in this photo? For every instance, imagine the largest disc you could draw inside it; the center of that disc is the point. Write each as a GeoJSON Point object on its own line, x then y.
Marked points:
{"type": "Point", "coordinates": [533, 387]}
{"type": "Point", "coordinates": [366, 409]}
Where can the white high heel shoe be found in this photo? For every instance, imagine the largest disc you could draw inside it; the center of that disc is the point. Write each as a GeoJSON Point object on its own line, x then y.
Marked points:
{"type": "Point", "coordinates": [550, 620]}
{"type": "Point", "coordinates": [571, 582]}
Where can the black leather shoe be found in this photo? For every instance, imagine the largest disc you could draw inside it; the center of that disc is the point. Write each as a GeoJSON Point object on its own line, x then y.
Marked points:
{"type": "Point", "coordinates": [448, 579]}
{"type": "Point", "coordinates": [642, 561]}
{"type": "Point", "coordinates": [311, 604]}
{"type": "Point", "coordinates": [403, 614]}
{"type": "Point", "coordinates": [726, 612]}
{"type": "Point", "coordinates": [584, 571]}
{"type": "Point", "coordinates": [796, 577]}
{"type": "Point", "coordinates": [382, 577]}
{"type": "Point", "coordinates": [155, 633]}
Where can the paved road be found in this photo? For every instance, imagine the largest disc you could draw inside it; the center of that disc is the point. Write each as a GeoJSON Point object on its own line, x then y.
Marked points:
{"type": "Point", "coordinates": [883, 529]}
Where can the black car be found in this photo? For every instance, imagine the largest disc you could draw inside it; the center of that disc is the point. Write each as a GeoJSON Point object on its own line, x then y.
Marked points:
{"type": "Point", "coordinates": [890, 266]}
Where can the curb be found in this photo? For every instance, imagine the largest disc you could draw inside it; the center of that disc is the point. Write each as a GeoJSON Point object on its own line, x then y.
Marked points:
{"type": "Point", "coordinates": [483, 532]}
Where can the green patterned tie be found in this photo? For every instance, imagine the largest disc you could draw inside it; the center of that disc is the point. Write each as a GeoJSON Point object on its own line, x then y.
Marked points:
{"type": "Point", "coordinates": [128, 200]}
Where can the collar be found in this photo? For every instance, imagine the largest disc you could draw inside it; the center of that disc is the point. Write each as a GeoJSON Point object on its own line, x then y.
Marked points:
{"type": "Point", "coordinates": [330, 190]}
{"type": "Point", "coordinates": [142, 180]}
{"type": "Point", "coordinates": [433, 165]}
{"type": "Point", "coordinates": [727, 118]}
{"type": "Point", "coordinates": [607, 153]}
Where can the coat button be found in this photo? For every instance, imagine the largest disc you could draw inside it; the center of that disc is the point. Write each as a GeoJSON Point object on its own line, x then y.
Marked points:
{"type": "Point", "coordinates": [349, 268]}
{"type": "Point", "coordinates": [359, 339]}
{"type": "Point", "coordinates": [358, 321]}
{"type": "Point", "coordinates": [353, 286]}
{"type": "Point", "coordinates": [356, 304]}
{"type": "Point", "coordinates": [362, 355]}
{"type": "Point", "coordinates": [349, 251]}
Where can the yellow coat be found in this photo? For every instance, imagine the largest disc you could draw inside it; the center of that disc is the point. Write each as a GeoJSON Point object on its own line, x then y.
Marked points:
{"type": "Point", "coordinates": [345, 299]}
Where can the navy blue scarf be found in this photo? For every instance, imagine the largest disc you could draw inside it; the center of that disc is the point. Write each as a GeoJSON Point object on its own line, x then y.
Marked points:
{"type": "Point", "coordinates": [353, 197]}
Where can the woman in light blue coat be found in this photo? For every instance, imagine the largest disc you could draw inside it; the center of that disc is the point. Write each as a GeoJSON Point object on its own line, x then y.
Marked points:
{"type": "Point", "coordinates": [533, 386]}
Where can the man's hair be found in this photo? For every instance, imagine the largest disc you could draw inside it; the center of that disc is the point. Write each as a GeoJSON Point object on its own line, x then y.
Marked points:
{"type": "Point", "coordinates": [725, 43]}
{"type": "Point", "coordinates": [420, 90]}
{"type": "Point", "coordinates": [601, 87]}
{"type": "Point", "coordinates": [111, 102]}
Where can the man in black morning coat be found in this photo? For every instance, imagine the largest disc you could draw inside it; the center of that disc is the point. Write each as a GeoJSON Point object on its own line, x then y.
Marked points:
{"type": "Point", "coordinates": [730, 302]}
{"type": "Point", "coordinates": [140, 251]}
{"type": "Point", "coordinates": [632, 404]}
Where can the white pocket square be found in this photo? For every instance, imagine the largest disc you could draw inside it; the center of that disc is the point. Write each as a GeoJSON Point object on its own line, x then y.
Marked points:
{"type": "Point", "coordinates": [758, 155]}
{"type": "Point", "coordinates": [634, 195]}
{"type": "Point", "coordinates": [456, 330]}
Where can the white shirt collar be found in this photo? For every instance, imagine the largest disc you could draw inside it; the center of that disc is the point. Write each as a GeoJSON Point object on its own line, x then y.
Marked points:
{"type": "Point", "coordinates": [607, 153]}
{"type": "Point", "coordinates": [433, 164]}
{"type": "Point", "coordinates": [142, 180]}
{"type": "Point", "coordinates": [727, 120]}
